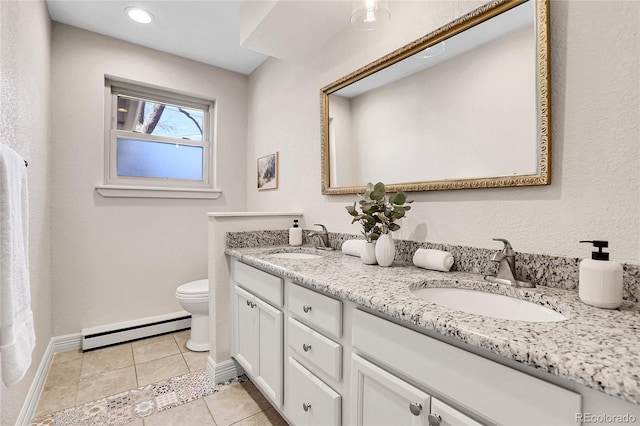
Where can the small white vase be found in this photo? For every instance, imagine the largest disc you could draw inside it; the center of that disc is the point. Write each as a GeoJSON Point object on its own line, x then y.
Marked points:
{"type": "Point", "coordinates": [368, 253]}
{"type": "Point", "coordinates": [385, 250]}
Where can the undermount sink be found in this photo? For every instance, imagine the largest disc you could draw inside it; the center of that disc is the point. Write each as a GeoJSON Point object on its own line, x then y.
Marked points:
{"type": "Point", "coordinates": [296, 255]}
{"type": "Point", "coordinates": [488, 304]}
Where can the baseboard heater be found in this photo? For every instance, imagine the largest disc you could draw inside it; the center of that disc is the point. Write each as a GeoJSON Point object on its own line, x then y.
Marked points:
{"type": "Point", "coordinates": [113, 334]}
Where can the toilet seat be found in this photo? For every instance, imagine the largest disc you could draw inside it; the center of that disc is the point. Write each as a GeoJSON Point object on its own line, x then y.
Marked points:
{"type": "Point", "coordinates": [194, 289]}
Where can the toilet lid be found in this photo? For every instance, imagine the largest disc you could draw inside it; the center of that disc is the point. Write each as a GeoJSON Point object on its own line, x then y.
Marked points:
{"type": "Point", "coordinates": [194, 287]}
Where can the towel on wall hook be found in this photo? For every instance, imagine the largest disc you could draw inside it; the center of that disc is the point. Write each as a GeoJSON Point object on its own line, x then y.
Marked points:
{"type": "Point", "coordinates": [17, 334]}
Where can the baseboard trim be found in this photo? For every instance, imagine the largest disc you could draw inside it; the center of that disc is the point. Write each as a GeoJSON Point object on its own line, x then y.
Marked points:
{"type": "Point", "coordinates": [220, 372]}
{"type": "Point", "coordinates": [56, 344]}
{"type": "Point", "coordinates": [68, 342]}
{"type": "Point", "coordinates": [129, 331]}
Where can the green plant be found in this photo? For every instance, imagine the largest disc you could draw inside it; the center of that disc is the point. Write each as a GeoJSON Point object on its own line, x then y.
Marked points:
{"type": "Point", "coordinates": [376, 213]}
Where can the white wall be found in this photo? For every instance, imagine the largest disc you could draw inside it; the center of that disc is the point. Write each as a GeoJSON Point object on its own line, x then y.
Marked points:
{"type": "Point", "coordinates": [595, 190]}
{"type": "Point", "coordinates": [24, 125]}
{"type": "Point", "coordinates": [120, 259]}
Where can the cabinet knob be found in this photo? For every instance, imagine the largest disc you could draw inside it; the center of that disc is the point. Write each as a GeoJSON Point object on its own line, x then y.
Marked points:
{"type": "Point", "coordinates": [306, 347]}
{"type": "Point", "coordinates": [415, 408]}
{"type": "Point", "coordinates": [306, 309]}
{"type": "Point", "coordinates": [434, 419]}
{"type": "Point", "coordinates": [306, 406]}
{"type": "Point", "coordinates": [248, 303]}
{"type": "Point", "coordinates": [253, 305]}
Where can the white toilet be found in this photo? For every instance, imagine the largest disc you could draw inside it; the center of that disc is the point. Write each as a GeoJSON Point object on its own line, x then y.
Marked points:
{"type": "Point", "coordinates": [194, 298]}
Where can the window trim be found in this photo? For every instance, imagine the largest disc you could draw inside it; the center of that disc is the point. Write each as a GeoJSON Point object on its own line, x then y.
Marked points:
{"type": "Point", "coordinates": [145, 187]}
{"type": "Point", "coordinates": [118, 191]}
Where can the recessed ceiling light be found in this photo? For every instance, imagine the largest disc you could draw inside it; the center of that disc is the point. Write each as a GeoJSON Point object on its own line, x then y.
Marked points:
{"type": "Point", "coordinates": [139, 15]}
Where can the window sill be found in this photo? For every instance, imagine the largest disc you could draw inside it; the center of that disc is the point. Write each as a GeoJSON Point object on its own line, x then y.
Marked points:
{"type": "Point", "coordinates": [153, 192]}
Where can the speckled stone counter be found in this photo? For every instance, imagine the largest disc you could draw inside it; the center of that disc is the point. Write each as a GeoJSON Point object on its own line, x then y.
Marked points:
{"type": "Point", "coordinates": [595, 347]}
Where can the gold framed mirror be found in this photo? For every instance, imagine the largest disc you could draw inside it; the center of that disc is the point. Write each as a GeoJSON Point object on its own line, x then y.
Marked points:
{"type": "Point", "coordinates": [466, 106]}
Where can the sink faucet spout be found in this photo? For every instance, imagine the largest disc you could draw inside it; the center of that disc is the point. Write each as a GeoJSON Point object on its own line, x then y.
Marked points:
{"type": "Point", "coordinates": [506, 260]}
{"type": "Point", "coordinates": [323, 237]}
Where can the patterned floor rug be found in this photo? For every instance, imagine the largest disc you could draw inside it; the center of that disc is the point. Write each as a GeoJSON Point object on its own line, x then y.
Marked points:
{"type": "Point", "coordinates": [128, 406]}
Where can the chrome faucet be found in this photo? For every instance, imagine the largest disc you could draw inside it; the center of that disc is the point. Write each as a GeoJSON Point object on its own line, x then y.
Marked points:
{"type": "Point", "coordinates": [506, 260]}
{"type": "Point", "coordinates": [323, 237]}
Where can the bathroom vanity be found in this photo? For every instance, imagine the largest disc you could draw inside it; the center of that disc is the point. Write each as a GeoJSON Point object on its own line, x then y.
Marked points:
{"type": "Point", "coordinates": [331, 341]}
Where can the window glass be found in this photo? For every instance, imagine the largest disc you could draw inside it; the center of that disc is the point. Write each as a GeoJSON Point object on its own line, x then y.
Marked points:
{"type": "Point", "coordinates": [138, 158]}
{"type": "Point", "coordinates": [158, 140]}
{"type": "Point", "coordinates": [155, 118]}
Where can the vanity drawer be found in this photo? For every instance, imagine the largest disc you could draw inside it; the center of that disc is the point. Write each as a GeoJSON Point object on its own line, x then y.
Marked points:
{"type": "Point", "coordinates": [313, 402]}
{"type": "Point", "coordinates": [312, 347]}
{"type": "Point", "coordinates": [494, 391]}
{"type": "Point", "coordinates": [316, 310]}
{"type": "Point", "coordinates": [262, 284]}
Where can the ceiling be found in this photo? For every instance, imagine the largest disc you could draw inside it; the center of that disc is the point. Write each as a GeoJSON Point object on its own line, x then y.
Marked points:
{"type": "Point", "coordinates": [233, 34]}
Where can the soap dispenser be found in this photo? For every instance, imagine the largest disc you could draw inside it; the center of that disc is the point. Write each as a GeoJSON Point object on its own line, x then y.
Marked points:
{"type": "Point", "coordinates": [295, 234]}
{"type": "Point", "coordinates": [600, 279]}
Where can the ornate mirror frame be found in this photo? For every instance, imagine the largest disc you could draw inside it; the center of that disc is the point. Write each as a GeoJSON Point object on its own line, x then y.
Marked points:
{"type": "Point", "coordinates": [542, 177]}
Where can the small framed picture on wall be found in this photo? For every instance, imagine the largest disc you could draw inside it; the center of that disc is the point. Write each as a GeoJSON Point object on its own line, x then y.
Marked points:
{"type": "Point", "coordinates": [268, 172]}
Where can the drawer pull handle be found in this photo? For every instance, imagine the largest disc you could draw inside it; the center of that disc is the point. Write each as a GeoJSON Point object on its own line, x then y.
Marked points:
{"type": "Point", "coordinates": [306, 347]}
{"type": "Point", "coordinates": [248, 303]}
{"type": "Point", "coordinates": [434, 420]}
{"type": "Point", "coordinates": [306, 309]}
{"type": "Point", "coordinates": [252, 304]}
{"type": "Point", "coordinates": [306, 406]}
{"type": "Point", "coordinates": [416, 409]}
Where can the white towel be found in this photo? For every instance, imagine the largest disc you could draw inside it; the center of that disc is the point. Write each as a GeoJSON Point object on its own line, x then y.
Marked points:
{"type": "Point", "coordinates": [352, 247]}
{"type": "Point", "coordinates": [437, 260]}
{"type": "Point", "coordinates": [17, 335]}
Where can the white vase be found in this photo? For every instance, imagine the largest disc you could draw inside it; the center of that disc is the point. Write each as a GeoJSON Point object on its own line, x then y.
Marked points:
{"type": "Point", "coordinates": [385, 250]}
{"type": "Point", "coordinates": [368, 253]}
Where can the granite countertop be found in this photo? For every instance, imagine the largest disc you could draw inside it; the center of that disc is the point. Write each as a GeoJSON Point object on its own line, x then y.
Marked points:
{"type": "Point", "coordinates": [595, 347]}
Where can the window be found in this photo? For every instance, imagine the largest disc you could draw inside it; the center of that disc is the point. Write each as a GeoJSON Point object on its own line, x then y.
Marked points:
{"type": "Point", "coordinates": [157, 144]}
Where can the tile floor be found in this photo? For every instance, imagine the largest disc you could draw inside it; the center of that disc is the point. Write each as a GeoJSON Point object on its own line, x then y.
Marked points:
{"type": "Point", "coordinates": [151, 382]}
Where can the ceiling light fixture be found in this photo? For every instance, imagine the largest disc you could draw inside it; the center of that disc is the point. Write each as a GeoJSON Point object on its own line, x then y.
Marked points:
{"type": "Point", "coordinates": [139, 15]}
{"type": "Point", "coordinates": [368, 15]}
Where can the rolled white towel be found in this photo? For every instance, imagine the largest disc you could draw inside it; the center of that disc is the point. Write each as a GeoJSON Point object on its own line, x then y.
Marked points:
{"type": "Point", "coordinates": [352, 247]}
{"type": "Point", "coordinates": [437, 260]}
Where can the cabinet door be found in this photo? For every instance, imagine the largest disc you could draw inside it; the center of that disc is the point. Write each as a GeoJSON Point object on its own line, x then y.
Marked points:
{"type": "Point", "coordinates": [270, 371]}
{"type": "Point", "coordinates": [380, 398]}
{"type": "Point", "coordinates": [444, 415]}
{"type": "Point", "coordinates": [246, 350]}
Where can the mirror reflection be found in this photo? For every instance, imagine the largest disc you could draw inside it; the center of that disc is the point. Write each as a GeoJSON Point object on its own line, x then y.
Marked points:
{"type": "Point", "coordinates": [461, 109]}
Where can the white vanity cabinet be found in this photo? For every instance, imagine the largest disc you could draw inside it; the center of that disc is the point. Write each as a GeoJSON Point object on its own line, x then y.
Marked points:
{"type": "Point", "coordinates": [493, 392]}
{"type": "Point", "coordinates": [314, 320]}
{"type": "Point", "coordinates": [258, 330]}
{"type": "Point", "coordinates": [325, 361]}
